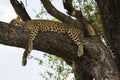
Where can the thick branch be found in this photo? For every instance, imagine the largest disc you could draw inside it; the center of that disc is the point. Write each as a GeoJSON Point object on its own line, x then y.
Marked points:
{"type": "Point", "coordinates": [96, 59]}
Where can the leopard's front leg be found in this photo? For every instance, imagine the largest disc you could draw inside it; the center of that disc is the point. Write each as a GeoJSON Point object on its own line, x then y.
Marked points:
{"type": "Point", "coordinates": [29, 47]}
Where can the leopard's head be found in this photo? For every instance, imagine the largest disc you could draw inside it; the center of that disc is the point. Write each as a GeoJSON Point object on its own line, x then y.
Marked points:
{"type": "Point", "coordinates": [16, 21]}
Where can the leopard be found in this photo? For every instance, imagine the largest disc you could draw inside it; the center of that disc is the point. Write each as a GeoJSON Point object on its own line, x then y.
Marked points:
{"type": "Point", "coordinates": [34, 26]}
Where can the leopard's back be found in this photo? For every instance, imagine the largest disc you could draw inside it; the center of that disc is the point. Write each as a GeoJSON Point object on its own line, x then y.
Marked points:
{"type": "Point", "coordinates": [47, 25]}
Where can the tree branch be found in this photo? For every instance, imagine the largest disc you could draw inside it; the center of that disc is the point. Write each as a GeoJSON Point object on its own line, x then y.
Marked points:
{"type": "Point", "coordinates": [20, 10]}
{"type": "Point", "coordinates": [96, 59]}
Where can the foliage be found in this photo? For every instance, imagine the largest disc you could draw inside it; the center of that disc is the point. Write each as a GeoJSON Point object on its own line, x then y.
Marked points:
{"type": "Point", "coordinates": [55, 68]}
{"type": "Point", "coordinates": [90, 11]}
{"type": "Point", "coordinates": [60, 70]}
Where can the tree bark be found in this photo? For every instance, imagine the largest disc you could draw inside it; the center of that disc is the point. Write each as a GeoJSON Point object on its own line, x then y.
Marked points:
{"type": "Point", "coordinates": [110, 16]}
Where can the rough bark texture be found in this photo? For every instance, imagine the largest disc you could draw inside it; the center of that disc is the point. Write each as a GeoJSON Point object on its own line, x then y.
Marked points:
{"type": "Point", "coordinates": [95, 63]}
{"type": "Point", "coordinates": [110, 15]}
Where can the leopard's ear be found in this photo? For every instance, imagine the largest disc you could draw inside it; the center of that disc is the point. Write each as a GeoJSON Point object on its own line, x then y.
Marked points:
{"type": "Point", "coordinates": [18, 18]}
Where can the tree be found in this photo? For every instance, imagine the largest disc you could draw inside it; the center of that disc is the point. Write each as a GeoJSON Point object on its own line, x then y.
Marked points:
{"type": "Point", "coordinates": [98, 61]}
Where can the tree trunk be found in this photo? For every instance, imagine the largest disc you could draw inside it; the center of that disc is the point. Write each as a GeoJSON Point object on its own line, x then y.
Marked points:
{"type": "Point", "coordinates": [110, 16]}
